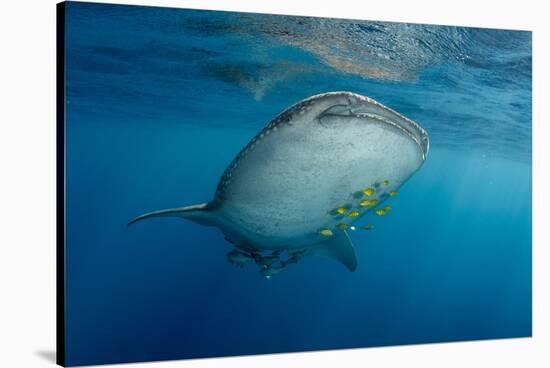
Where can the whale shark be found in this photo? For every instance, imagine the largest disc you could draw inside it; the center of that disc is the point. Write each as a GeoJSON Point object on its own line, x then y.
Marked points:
{"type": "Point", "coordinates": [314, 170]}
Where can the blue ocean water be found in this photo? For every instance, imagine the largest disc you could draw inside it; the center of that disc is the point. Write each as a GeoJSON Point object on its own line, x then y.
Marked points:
{"type": "Point", "coordinates": [160, 100]}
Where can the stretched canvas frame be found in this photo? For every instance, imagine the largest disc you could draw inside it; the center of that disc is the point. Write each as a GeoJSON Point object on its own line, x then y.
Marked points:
{"type": "Point", "coordinates": [386, 91]}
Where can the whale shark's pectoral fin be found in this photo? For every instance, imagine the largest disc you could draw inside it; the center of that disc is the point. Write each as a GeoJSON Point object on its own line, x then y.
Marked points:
{"type": "Point", "coordinates": [338, 247]}
{"type": "Point", "coordinates": [199, 213]}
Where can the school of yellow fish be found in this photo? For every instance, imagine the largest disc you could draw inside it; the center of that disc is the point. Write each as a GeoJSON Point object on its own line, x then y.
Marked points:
{"type": "Point", "coordinates": [363, 203]}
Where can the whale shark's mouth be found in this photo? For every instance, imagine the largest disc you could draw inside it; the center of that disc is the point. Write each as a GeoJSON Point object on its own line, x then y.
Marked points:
{"type": "Point", "coordinates": [364, 107]}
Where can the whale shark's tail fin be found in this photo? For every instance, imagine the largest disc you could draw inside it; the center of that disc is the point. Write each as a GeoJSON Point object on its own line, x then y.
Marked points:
{"type": "Point", "coordinates": [199, 213]}
{"type": "Point", "coordinates": [338, 247]}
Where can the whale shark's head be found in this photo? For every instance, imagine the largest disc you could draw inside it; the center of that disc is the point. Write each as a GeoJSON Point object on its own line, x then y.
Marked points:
{"type": "Point", "coordinates": [334, 105]}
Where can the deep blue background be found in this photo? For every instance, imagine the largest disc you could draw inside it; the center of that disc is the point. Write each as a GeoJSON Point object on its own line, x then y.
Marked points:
{"type": "Point", "coordinates": [160, 100]}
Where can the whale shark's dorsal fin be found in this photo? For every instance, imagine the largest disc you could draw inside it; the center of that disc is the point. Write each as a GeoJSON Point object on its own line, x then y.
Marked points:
{"type": "Point", "coordinates": [338, 247]}
{"type": "Point", "coordinates": [199, 213]}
